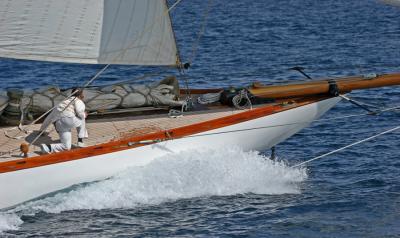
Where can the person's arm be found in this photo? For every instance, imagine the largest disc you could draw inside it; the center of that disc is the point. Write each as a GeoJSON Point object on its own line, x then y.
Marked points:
{"type": "Point", "coordinates": [80, 109]}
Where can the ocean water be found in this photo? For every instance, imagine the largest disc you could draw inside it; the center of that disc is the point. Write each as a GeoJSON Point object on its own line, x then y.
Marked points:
{"type": "Point", "coordinates": [230, 192]}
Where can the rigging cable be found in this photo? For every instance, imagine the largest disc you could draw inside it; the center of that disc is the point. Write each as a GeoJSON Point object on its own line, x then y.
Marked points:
{"type": "Point", "coordinates": [347, 146]}
{"type": "Point", "coordinates": [280, 125]}
{"type": "Point", "coordinates": [195, 47]}
{"type": "Point", "coordinates": [124, 50]}
{"type": "Point", "coordinates": [102, 70]}
{"type": "Point", "coordinates": [196, 43]}
{"type": "Point", "coordinates": [391, 109]}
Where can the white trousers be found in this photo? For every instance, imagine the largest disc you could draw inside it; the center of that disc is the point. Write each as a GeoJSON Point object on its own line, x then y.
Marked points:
{"type": "Point", "coordinates": [64, 126]}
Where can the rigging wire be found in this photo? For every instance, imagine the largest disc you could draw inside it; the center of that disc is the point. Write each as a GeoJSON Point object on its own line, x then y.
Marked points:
{"type": "Point", "coordinates": [390, 109]}
{"type": "Point", "coordinates": [281, 74]}
{"type": "Point", "coordinates": [289, 124]}
{"type": "Point", "coordinates": [101, 71]}
{"type": "Point", "coordinates": [201, 32]}
{"type": "Point", "coordinates": [72, 101]}
{"type": "Point", "coordinates": [347, 146]}
{"type": "Point", "coordinates": [195, 47]}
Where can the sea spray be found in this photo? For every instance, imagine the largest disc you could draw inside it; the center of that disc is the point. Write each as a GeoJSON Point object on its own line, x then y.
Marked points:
{"type": "Point", "coordinates": [222, 172]}
{"type": "Point", "coordinates": [9, 221]}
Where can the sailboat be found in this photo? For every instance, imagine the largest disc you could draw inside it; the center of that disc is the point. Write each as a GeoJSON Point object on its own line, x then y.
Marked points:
{"type": "Point", "coordinates": [139, 32]}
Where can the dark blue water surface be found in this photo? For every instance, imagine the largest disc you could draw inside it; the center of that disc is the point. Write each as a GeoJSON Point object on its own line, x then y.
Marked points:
{"type": "Point", "coordinates": [229, 193]}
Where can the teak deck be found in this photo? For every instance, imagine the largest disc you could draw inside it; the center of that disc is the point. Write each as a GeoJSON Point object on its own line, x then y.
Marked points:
{"type": "Point", "coordinates": [105, 130]}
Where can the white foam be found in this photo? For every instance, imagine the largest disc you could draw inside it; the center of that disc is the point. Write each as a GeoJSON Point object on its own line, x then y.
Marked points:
{"type": "Point", "coordinates": [226, 171]}
{"type": "Point", "coordinates": [9, 221]}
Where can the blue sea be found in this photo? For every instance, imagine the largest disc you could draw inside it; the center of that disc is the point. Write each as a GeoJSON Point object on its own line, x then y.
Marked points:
{"type": "Point", "coordinates": [234, 193]}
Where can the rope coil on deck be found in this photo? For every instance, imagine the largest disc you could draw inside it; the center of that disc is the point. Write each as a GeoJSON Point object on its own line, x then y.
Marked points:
{"type": "Point", "coordinates": [242, 101]}
{"type": "Point", "coordinates": [209, 98]}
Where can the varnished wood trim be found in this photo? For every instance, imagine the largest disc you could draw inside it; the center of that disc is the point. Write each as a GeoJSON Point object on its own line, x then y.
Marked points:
{"type": "Point", "coordinates": [344, 85]}
{"type": "Point", "coordinates": [123, 144]}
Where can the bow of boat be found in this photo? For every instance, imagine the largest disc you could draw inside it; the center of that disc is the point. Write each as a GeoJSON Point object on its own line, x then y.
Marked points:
{"type": "Point", "coordinates": [136, 140]}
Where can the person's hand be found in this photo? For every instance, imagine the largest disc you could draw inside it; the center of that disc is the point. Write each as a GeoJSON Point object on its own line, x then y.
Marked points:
{"type": "Point", "coordinates": [86, 114]}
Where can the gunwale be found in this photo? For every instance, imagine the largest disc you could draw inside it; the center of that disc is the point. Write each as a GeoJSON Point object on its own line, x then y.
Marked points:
{"type": "Point", "coordinates": [223, 118]}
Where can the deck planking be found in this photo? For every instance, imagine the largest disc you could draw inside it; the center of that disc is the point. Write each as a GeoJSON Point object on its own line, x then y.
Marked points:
{"type": "Point", "coordinates": [104, 130]}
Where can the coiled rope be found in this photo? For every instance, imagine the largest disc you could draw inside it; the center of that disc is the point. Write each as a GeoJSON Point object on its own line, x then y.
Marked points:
{"type": "Point", "coordinates": [242, 101]}
{"type": "Point", "coordinates": [209, 98]}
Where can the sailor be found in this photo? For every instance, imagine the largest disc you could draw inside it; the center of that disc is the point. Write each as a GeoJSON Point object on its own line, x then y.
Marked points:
{"type": "Point", "coordinates": [69, 114]}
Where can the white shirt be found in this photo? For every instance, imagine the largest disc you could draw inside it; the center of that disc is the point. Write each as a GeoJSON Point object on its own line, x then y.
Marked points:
{"type": "Point", "coordinates": [72, 107]}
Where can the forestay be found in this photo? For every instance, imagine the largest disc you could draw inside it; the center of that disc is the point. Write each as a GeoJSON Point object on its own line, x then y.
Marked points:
{"type": "Point", "coordinates": [135, 32]}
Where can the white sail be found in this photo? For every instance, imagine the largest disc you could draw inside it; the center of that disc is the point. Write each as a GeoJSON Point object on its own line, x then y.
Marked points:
{"type": "Point", "coordinates": [135, 32]}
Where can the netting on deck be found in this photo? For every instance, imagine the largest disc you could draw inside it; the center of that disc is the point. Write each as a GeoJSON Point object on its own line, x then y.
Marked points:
{"type": "Point", "coordinates": [24, 105]}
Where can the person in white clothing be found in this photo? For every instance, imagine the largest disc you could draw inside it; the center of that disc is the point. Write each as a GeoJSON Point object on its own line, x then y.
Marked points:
{"type": "Point", "coordinates": [69, 114]}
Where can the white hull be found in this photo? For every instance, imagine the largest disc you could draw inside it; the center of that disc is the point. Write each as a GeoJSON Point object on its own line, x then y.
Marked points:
{"type": "Point", "coordinates": [23, 185]}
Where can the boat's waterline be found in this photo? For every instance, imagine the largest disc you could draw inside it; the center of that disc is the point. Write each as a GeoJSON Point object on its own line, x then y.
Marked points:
{"type": "Point", "coordinates": [23, 185]}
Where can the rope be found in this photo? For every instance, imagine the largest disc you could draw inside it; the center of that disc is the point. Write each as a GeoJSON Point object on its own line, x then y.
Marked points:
{"type": "Point", "coordinates": [96, 76]}
{"type": "Point", "coordinates": [187, 91]}
{"type": "Point", "coordinates": [362, 105]}
{"type": "Point", "coordinates": [71, 94]}
{"type": "Point", "coordinates": [237, 100]}
{"type": "Point", "coordinates": [21, 127]}
{"type": "Point", "coordinates": [196, 44]}
{"type": "Point", "coordinates": [195, 47]}
{"type": "Point", "coordinates": [209, 98]}
{"type": "Point", "coordinates": [288, 124]}
{"type": "Point", "coordinates": [394, 109]}
{"type": "Point", "coordinates": [176, 113]}
{"type": "Point", "coordinates": [347, 146]}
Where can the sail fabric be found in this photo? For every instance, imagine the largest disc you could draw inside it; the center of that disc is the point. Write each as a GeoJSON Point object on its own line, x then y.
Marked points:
{"type": "Point", "coordinates": [134, 32]}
